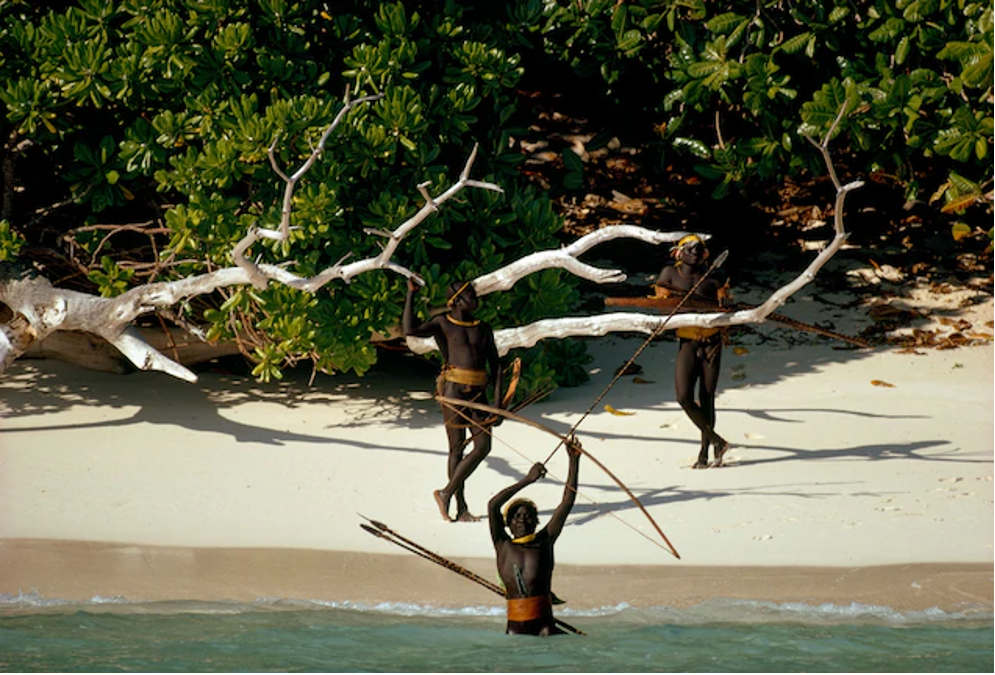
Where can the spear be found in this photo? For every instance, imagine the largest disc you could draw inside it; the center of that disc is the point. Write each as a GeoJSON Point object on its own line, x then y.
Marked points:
{"type": "Point", "coordinates": [382, 531]}
{"type": "Point", "coordinates": [656, 333]}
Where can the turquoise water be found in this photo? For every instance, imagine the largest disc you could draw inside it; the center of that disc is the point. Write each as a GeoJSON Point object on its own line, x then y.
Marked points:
{"type": "Point", "coordinates": [115, 635]}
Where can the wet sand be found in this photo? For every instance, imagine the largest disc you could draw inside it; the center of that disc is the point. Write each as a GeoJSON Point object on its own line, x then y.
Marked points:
{"type": "Point", "coordinates": [839, 488]}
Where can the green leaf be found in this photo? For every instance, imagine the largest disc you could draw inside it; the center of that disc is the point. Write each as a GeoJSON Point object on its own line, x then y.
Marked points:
{"type": "Point", "coordinates": [692, 145]}
{"type": "Point", "coordinates": [902, 51]}
{"type": "Point", "coordinates": [797, 43]}
{"type": "Point", "coordinates": [979, 72]}
{"type": "Point", "coordinates": [725, 23]}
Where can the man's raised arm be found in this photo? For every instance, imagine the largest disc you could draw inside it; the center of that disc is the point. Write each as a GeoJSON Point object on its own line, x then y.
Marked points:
{"type": "Point", "coordinates": [559, 517]}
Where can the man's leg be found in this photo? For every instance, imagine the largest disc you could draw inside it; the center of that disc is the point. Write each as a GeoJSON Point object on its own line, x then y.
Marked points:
{"type": "Point", "coordinates": [461, 465]}
{"type": "Point", "coordinates": [481, 448]}
{"type": "Point", "coordinates": [687, 371]}
{"type": "Point", "coordinates": [711, 367]}
{"type": "Point", "coordinates": [455, 433]}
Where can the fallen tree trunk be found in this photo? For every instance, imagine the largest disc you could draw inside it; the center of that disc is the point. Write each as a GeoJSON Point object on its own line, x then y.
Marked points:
{"type": "Point", "coordinates": [92, 352]}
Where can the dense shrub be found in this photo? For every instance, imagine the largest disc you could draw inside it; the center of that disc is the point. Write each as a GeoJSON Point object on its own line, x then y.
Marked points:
{"type": "Point", "coordinates": [162, 111]}
{"type": "Point", "coordinates": [165, 109]}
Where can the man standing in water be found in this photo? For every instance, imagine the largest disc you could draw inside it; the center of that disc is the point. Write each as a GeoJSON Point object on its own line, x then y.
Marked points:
{"type": "Point", "coordinates": [525, 559]}
{"type": "Point", "coordinates": [468, 351]}
{"type": "Point", "coordinates": [699, 353]}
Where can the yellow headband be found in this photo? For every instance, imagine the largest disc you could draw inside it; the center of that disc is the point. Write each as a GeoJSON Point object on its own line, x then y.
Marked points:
{"type": "Point", "coordinates": [689, 238]}
{"type": "Point", "coordinates": [684, 241]}
{"type": "Point", "coordinates": [455, 295]}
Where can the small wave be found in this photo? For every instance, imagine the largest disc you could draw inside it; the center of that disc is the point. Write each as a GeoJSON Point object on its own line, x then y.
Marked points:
{"type": "Point", "coordinates": [708, 612]}
{"type": "Point", "coordinates": [759, 611]}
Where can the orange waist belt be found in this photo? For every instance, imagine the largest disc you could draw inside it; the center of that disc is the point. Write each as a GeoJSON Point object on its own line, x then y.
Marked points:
{"type": "Point", "coordinates": [529, 609]}
{"type": "Point", "coordinates": [476, 378]}
{"type": "Point", "coordinates": [696, 333]}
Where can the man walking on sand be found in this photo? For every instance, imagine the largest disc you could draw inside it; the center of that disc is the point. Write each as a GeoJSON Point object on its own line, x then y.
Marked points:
{"type": "Point", "coordinates": [468, 351]}
{"type": "Point", "coordinates": [699, 352]}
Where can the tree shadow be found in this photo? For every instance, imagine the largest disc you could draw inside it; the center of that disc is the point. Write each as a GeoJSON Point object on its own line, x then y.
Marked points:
{"type": "Point", "coordinates": [35, 390]}
{"type": "Point", "coordinates": [675, 494]}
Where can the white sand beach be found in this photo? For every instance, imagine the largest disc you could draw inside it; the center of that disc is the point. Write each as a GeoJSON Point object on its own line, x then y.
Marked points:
{"type": "Point", "coordinates": [857, 476]}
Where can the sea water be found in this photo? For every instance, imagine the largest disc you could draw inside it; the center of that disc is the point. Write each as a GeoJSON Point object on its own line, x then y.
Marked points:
{"type": "Point", "coordinates": [113, 634]}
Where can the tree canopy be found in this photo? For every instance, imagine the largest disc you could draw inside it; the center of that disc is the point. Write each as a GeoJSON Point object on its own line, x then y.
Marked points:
{"type": "Point", "coordinates": [136, 136]}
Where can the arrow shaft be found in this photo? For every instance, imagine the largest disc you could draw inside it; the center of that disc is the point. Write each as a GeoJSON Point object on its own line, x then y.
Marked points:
{"type": "Point", "coordinates": [437, 559]}
{"type": "Point", "coordinates": [387, 534]}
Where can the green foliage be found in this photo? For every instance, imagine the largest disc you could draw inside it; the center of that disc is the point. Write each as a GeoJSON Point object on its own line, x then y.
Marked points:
{"type": "Point", "coordinates": [10, 242]}
{"type": "Point", "coordinates": [110, 279]}
{"type": "Point", "coordinates": [170, 106]}
{"type": "Point", "coordinates": [165, 109]}
{"type": "Point", "coordinates": [728, 85]}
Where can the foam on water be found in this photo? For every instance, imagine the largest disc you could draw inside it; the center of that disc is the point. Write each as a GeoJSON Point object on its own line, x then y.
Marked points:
{"type": "Point", "coordinates": [710, 611]}
{"type": "Point", "coordinates": [39, 634]}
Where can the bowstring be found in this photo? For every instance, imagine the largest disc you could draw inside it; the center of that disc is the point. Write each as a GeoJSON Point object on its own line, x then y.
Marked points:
{"type": "Point", "coordinates": [482, 428]}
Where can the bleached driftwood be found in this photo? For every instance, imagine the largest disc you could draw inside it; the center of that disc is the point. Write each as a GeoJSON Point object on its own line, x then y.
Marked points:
{"type": "Point", "coordinates": [40, 309]}
{"type": "Point", "coordinates": [45, 309]}
{"type": "Point", "coordinates": [602, 324]}
{"type": "Point", "coordinates": [566, 258]}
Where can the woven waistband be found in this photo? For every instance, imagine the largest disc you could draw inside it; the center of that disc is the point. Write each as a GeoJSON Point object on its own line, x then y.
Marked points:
{"type": "Point", "coordinates": [696, 333]}
{"type": "Point", "coordinates": [476, 378]}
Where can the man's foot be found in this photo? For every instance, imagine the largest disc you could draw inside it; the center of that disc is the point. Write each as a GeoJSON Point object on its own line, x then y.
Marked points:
{"type": "Point", "coordinates": [720, 453]}
{"type": "Point", "coordinates": [443, 503]}
{"type": "Point", "coordinates": [699, 465]}
{"type": "Point", "coordinates": [466, 517]}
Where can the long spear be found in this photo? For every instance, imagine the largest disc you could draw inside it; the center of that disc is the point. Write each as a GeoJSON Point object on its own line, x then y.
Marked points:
{"type": "Point", "coordinates": [382, 531]}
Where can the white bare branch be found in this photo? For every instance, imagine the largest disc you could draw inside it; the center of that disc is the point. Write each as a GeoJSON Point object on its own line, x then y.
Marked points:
{"type": "Point", "coordinates": [591, 326]}
{"type": "Point", "coordinates": [47, 309]}
{"type": "Point", "coordinates": [140, 353]}
{"type": "Point", "coordinates": [393, 239]}
{"type": "Point", "coordinates": [567, 258]}
{"type": "Point", "coordinates": [257, 277]}
{"type": "Point", "coordinates": [39, 309]}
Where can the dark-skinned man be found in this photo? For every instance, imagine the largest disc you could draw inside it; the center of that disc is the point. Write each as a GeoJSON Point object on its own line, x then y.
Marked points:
{"type": "Point", "coordinates": [699, 352]}
{"type": "Point", "coordinates": [525, 559]}
{"type": "Point", "coordinates": [468, 351]}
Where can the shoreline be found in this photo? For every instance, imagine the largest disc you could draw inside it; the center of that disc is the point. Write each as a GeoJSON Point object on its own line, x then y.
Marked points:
{"type": "Point", "coordinates": [856, 477]}
{"type": "Point", "coordinates": [79, 572]}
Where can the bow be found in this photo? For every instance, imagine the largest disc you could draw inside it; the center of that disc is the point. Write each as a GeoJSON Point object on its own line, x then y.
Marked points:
{"type": "Point", "coordinates": [456, 404]}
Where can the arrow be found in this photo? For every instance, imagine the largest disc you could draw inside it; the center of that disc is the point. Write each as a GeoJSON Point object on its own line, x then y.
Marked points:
{"type": "Point", "coordinates": [381, 531]}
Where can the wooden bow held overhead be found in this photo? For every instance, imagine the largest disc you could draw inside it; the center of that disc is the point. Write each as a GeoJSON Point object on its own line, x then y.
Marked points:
{"type": "Point", "coordinates": [457, 404]}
